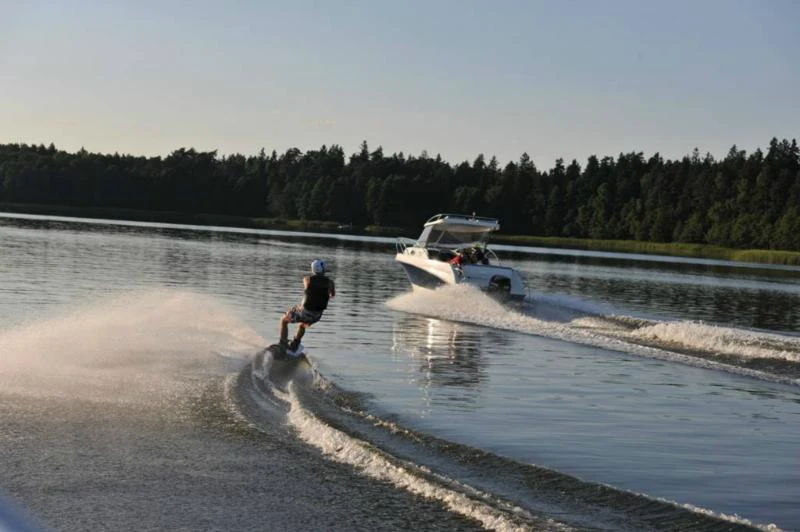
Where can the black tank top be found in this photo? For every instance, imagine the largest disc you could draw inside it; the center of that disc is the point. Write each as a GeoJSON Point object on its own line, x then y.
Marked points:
{"type": "Point", "coordinates": [317, 293]}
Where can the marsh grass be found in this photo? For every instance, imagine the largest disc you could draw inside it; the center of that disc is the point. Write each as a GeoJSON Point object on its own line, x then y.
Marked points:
{"type": "Point", "coordinates": [678, 249]}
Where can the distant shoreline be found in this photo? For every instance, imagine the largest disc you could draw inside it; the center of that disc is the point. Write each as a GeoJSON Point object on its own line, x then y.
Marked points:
{"type": "Point", "coordinates": [675, 249]}
{"type": "Point", "coordinates": [678, 249]}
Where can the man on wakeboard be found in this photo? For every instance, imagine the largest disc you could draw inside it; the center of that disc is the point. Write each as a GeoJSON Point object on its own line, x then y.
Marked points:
{"type": "Point", "coordinates": [318, 289]}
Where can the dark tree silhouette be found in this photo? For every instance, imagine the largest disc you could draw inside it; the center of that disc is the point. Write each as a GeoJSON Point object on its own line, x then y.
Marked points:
{"type": "Point", "coordinates": [747, 201]}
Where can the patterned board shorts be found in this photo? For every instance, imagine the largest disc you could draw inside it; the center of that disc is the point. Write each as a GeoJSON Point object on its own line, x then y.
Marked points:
{"type": "Point", "coordinates": [298, 314]}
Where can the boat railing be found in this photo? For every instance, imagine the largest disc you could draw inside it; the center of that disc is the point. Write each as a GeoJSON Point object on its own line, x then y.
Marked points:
{"type": "Point", "coordinates": [491, 256]}
{"type": "Point", "coordinates": [443, 252]}
{"type": "Point", "coordinates": [402, 243]}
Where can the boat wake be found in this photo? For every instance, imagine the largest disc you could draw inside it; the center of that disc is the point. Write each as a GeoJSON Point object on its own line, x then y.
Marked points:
{"type": "Point", "coordinates": [496, 492]}
{"type": "Point", "coordinates": [764, 355]}
{"type": "Point", "coordinates": [157, 353]}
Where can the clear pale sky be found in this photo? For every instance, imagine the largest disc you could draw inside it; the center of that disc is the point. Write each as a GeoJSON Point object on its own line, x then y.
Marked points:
{"type": "Point", "coordinates": [554, 79]}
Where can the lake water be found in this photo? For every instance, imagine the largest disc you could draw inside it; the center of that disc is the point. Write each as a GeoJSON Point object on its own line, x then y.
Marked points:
{"type": "Point", "coordinates": [629, 392]}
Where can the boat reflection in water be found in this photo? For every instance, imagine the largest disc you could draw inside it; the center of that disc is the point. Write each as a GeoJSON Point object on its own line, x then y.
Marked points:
{"type": "Point", "coordinates": [447, 357]}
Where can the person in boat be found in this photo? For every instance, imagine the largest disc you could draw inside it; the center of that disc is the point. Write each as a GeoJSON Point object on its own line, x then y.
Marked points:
{"type": "Point", "coordinates": [477, 255]}
{"type": "Point", "coordinates": [317, 290]}
{"type": "Point", "coordinates": [458, 259]}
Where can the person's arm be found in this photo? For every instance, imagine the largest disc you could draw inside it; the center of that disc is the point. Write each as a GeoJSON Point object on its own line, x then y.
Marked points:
{"type": "Point", "coordinates": [331, 288]}
{"type": "Point", "coordinates": [306, 281]}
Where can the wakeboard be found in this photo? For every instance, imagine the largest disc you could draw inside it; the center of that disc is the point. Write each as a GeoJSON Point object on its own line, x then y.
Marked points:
{"type": "Point", "coordinates": [285, 364]}
{"type": "Point", "coordinates": [279, 352]}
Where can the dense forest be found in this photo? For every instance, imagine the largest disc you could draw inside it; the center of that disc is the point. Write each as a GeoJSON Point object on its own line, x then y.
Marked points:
{"type": "Point", "coordinates": [744, 201]}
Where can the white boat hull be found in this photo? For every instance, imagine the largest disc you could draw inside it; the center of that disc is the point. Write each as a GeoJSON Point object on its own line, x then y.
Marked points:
{"type": "Point", "coordinates": [430, 274]}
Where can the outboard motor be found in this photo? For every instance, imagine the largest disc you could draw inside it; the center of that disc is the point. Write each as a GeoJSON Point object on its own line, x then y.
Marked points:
{"type": "Point", "coordinates": [499, 285]}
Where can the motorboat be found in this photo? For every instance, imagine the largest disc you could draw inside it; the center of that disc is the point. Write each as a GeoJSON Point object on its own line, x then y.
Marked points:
{"type": "Point", "coordinates": [452, 249]}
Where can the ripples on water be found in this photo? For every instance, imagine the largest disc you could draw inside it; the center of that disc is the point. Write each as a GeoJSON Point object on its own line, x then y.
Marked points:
{"type": "Point", "coordinates": [676, 380]}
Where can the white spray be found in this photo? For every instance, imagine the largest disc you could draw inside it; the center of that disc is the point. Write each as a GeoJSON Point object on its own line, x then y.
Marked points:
{"type": "Point", "coordinates": [131, 348]}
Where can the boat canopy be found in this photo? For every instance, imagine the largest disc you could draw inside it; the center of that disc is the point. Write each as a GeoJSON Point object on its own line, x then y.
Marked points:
{"type": "Point", "coordinates": [455, 230]}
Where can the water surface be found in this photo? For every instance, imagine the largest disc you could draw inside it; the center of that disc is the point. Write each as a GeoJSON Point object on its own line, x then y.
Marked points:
{"type": "Point", "coordinates": [676, 379]}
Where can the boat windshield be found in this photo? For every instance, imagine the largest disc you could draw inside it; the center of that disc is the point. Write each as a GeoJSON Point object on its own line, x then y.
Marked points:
{"type": "Point", "coordinates": [433, 237]}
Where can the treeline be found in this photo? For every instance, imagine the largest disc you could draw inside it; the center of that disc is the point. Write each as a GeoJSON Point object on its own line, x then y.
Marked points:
{"type": "Point", "coordinates": [744, 200]}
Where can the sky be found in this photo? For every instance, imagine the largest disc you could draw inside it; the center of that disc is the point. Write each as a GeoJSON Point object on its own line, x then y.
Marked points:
{"type": "Point", "coordinates": [553, 79]}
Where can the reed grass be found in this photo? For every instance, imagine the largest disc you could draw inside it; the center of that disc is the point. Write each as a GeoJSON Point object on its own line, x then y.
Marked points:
{"type": "Point", "coordinates": [678, 249]}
